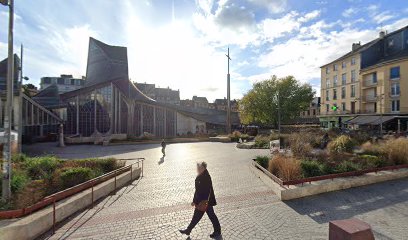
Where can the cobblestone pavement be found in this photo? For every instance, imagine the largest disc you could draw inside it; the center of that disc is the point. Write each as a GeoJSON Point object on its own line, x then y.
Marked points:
{"type": "Point", "coordinates": [157, 205]}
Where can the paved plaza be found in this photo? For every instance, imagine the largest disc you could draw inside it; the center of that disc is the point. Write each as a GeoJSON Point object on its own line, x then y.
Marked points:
{"type": "Point", "coordinates": [157, 205]}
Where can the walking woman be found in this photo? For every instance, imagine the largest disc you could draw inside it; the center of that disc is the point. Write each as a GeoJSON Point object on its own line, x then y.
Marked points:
{"type": "Point", "coordinates": [204, 201]}
{"type": "Point", "coordinates": [163, 145]}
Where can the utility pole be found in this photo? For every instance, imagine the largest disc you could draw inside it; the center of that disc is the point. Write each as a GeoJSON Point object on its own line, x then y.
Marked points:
{"type": "Point", "coordinates": [6, 169]}
{"type": "Point", "coordinates": [20, 109]}
{"type": "Point", "coordinates": [228, 96]}
{"type": "Point", "coordinates": [279, 116]}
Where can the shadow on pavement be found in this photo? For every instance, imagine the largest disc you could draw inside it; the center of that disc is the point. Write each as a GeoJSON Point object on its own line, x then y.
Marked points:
{"type": "Point", "coordinates": [83, 151]}
{"type": "Point", "coordinates": [348, 203]}
{"type": "Point", "coordinates": [161, 160]}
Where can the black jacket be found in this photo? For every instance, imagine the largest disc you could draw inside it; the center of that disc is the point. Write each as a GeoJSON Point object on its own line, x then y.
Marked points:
{"type": "Point", "coordinates": [203, 189]}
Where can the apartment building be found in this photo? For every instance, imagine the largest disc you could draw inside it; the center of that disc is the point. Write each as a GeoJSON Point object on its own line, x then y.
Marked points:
{"type": "Point", "coordinates": [65, 83]}
{"type": "Point", "coordinates": [368, 86]}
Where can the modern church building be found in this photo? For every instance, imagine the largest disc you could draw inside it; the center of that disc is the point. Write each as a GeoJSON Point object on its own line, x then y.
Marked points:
{"type": "Point", "coordinates": [110, 105]}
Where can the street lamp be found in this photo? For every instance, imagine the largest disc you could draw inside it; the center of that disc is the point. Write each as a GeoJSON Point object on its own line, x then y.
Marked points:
{"type": "Point", "coordinates": [6, 168]}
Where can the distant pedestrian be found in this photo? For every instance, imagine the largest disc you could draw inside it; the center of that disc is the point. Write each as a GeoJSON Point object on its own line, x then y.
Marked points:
{"type": "Point", "coordinates": [204, 201]}
{"type": "Point", "coordinates": [163, 145]}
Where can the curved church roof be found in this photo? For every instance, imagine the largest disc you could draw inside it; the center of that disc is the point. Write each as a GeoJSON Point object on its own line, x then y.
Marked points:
{"type": "Point", "coordinates": [108, 64]}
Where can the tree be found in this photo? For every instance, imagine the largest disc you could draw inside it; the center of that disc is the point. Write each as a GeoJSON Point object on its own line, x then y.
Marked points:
{"type": "Point", "coordinates": [260, 104]}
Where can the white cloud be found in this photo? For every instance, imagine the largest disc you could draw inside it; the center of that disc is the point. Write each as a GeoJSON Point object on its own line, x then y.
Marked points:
{"type": "Point", "coordinates": [276, 28]}
{"type": "Point", "coordinates": [274, 6]}
{"type": "Point", "coordinates": [310, 16]}
{"type": "Point", "coordinates": [350, 12]}
{"type": "Point", "coordinates": [171, 55]}
{"type": "Point", "coordinates": [382, 17]}
{"type": "Point", "coordinates": [302, 56]}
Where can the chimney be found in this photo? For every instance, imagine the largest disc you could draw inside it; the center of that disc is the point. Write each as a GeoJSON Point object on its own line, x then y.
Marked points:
{"type": "Point", "coordinates": [382, 34]}
{"type": "Point", "coordinates": [355, 46]}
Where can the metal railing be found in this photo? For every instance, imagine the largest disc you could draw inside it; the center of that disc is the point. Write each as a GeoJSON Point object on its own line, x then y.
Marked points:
{"type": "Point", "coordinates": [338, 175]}
{"type": "Point", "coordinates": [287, 184]}
{"type": "Point", "coordinates": [90, 184]}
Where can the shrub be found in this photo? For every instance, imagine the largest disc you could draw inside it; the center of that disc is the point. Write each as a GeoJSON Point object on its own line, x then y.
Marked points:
{"type": "Point", "coordinates": [74, 176]}
{"type": "Point", "coordinates": [360, 137]}
{"type": "Point", "coordinates": [262, 160]}
{"type": "Point", "coordinates": [369, 148]}
{"type": "Point", "coordinates": [370, 161]}
{"type": "Point", "coordinates": [299, 145]}
{"type": "Point", "coordinates": [103, 164]}
{"type": "Point", "coordinates": [347, 166]}
{"type": "Point", "coordinates": [19, 158]}
{"type": "Point", "coordinates": [286, 168]}
{"type": "Point", "coordinates": [19, 179]}
{"type": "Point", "coordinates": [396, 151]}
{"type": "Point", "coordinates": [341, 144]}
{"type": "Point", "coordinates": [261, 141]}
{"type": "Point", "coordinates": [42, 167]}
{"type": "Point", "coordinates": [311, 168]}
{"type": "Point", "coordinates": [32, 193]}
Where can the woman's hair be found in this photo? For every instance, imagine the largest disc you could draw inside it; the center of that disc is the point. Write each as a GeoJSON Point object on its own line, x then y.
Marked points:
{"type": "Point", "coordinates": [202, 164]}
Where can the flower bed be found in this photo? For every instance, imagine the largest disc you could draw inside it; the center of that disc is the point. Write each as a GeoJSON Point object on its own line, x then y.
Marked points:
{"type": "Point", "coordinates": [33, 178]}
{"type": "Point", "coordinates": [344, 156]}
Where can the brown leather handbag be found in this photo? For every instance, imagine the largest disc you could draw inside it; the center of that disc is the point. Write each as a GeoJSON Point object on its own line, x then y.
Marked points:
{"type": "Point", "coordinates": [203, 205]}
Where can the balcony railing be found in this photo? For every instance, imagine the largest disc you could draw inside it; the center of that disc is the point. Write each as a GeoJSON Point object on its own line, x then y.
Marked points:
{"type": "Point", "coordinates": [370, 98]}
{"type": "Point", "coordinates": [370, 83]}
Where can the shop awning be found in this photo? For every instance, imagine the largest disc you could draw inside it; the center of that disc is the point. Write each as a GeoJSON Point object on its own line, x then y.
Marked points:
{"type": "Point", "coordinates": [370, 120]}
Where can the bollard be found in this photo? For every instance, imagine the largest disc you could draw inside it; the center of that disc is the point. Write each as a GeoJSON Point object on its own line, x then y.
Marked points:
{"type": "Point", "coordinates": [53, 216]}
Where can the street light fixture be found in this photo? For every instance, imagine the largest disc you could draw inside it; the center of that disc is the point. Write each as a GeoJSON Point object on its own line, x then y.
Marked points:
{"type": "Point", "coordinates": [6, 168]}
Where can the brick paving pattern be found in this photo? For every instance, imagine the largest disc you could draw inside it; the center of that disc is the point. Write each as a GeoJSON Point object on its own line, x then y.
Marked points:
{"type": "Point", "coordinates": [157, 205]}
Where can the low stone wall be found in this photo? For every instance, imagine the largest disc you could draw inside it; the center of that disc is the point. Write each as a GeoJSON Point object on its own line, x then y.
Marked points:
{"type": "Point", "coordinates": [94, 139]}
{"type": "Point", "coordinates": [34, 225]}
{"type": "Point", "coordinates": [323, 186]}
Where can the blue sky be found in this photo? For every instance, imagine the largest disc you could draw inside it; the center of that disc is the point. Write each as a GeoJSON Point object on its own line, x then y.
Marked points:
{"type": "Point", "coordinates": [181, 43]}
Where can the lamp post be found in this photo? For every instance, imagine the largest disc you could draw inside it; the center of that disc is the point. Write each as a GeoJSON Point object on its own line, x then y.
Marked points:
{"type": "Point", "coordinates": [228, 96]}
{"type": "Point", "coordinates": [6, 169]}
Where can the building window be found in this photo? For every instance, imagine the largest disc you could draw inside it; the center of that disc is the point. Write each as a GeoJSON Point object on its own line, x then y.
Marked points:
{"type": "Point", "coordinates": [344, 64]}
{"type": "Point", "coordinates": [327, 83]}
{"type": "Point", "coordinates": [334, 67]}
{"type": "Point", "coordinates": [395, 73]}
{"type": "Point", "coordinates": [327, 70]}
{"type": "Point", "coordinates": [334, 94]}
{"type": "Point", "coordinates": [46, 80]}
{"type": "Point", "coordinates": [334, 80]}
{"type": "Point", "coordinates": [67, 81]}
{"type": "Point", "coordinates": [353, 91]}
{"type": "Point", "coordinates": [327, 107]}
{"type": "Point", "coordinates": [391, 43]}
{"type": "Point", "coordinates": [353, 61]}
{"type": "Point", "coordinates": [375, 77]}
{"type": "Point", "coordinates": [395, 105]}
{"type": "Point", "coordinates": [353, 75]}
{"type": "Point", "coordinates": [327, 95]}
{"type": "Point", "coordinates": [395, 89]}
{"type": "Point", "coordinates": [343, 79]}
{"type": "Point", "coordinates": [343, 107]}
{"type": "Point", "coordinates": [343, 92]}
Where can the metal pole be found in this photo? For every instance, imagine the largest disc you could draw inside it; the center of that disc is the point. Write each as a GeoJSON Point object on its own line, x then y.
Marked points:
{"type": "Point", "coordinates": [6, 192]}
{"type": "Point", "coordinates": [20, 105]}
{"type": "Point", "coordinates": [228, 97]}
{"type": "Point", "coordinates": [381, 116]}
{"type": "Point", "coordinates": [279, 116]}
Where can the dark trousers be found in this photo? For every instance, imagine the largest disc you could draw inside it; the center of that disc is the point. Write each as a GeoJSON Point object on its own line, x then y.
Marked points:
{"type": "Point", "coordinates": [211, 215]}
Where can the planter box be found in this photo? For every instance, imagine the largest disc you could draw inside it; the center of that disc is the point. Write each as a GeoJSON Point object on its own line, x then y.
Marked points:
{"type": "Point", "coordinates": [323, 186]}
{"type": "Point", "coordinates": [39, 222]}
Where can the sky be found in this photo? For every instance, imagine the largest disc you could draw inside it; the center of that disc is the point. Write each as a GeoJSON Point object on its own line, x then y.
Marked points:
{"type": "Point", "coordinates": [182, 44]}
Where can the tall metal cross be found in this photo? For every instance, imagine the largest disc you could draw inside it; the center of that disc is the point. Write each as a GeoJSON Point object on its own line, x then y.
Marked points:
{"type": "Point", "coordinates": [228, 95]}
